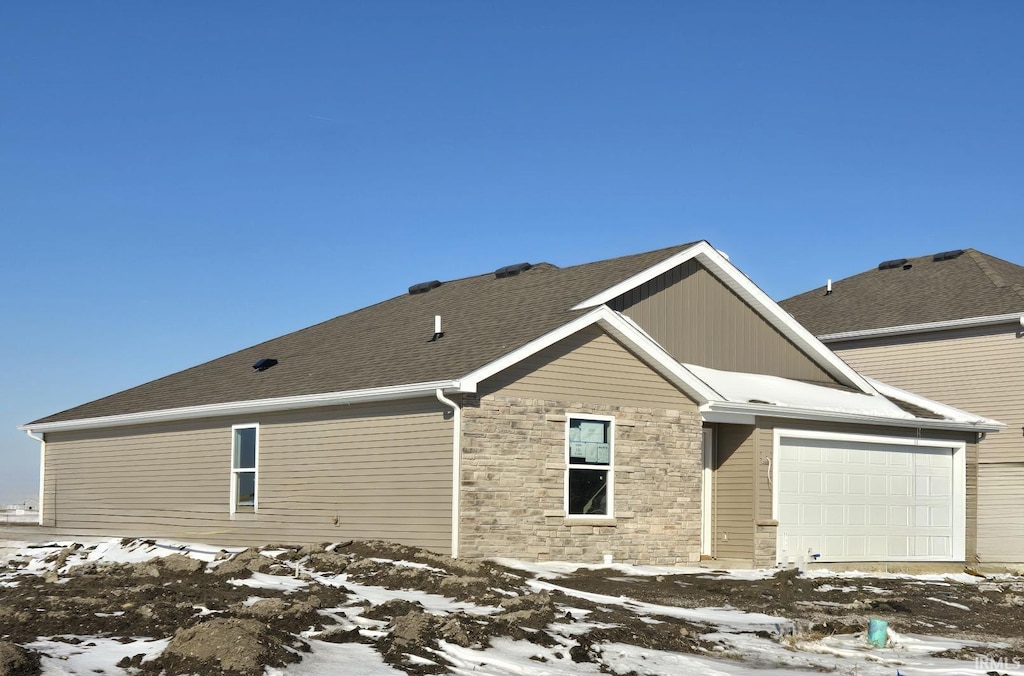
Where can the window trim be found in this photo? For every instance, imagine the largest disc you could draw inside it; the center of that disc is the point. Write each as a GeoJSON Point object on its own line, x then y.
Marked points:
{"type": "Point", "coordinates": [569, 466]}
{"type": "Point", "coordinates": [235, 471]}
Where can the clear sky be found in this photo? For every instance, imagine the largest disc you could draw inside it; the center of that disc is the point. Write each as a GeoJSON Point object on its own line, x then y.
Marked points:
{"type": "Point", "coordinates": [181, 180]}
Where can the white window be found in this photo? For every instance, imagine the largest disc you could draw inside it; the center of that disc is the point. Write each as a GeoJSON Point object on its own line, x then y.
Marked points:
{"type": "Point", "coordinates": [244, 467]}
{"type": "Point", "coordinates": [589, 455]}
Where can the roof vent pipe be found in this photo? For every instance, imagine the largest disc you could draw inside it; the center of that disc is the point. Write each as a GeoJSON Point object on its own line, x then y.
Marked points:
{"type": "Point", "coordinates": [828, 288]}
{"type": "Point", "coordinates": [438, 333]}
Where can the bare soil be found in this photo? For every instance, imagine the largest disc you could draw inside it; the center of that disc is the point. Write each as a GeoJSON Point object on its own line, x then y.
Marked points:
{"type": "Point", "coordinates": [218, 627]}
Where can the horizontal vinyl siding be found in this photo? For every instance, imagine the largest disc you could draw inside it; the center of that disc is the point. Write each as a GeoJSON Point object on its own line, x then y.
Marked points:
{"type": "Point", "coordinates": [732, 519]}
{"type": "Point", "coordinates": [588, 367]}
{"type": "Point", "coordinates": [701, 321]}
{"type": "Point", "coordinates": [1000, 513]}
{"type": "Point", "coordinates": [979, 369]}
{"type": "Point", "coordinates": [365, 471]}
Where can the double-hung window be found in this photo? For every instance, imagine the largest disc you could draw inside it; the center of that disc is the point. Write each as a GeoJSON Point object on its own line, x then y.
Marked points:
{"type": "Point", "coordinates": [589, 451]}
{"type": "Point", "coordinates": [244, 467]}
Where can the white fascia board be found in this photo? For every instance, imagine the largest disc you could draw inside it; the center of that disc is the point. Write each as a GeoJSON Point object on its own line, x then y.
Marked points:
{"type": "Point", "coordinates": [1014, 318]}
{"type": "Point", "coordinates": [618, 326]}
{"type": "Point", "coordinates": [237, 408]}
{"type": "Point", "coordinates": [734, 278]}
{"type": "Point", "coordinates": [771, 411]}
{"type": "Point", "coordinates": [931, 405]}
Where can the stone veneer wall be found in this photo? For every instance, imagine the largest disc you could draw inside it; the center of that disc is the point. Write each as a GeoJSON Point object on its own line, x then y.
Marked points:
{"type": "Point", "coordinates": [513, 478]}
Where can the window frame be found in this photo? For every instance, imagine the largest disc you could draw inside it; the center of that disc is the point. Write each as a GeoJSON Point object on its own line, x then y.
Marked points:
{"type": "Point", "coordinates": [609, 468]}
{"type": "Point", "coordinates": [235, 471]}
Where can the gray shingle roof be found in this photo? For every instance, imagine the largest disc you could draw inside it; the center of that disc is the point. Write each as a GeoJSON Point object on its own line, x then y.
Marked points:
{"type": "Point", "coordinates": [973, 284]}
{"type": "Point", "coordinates": [483, 318]}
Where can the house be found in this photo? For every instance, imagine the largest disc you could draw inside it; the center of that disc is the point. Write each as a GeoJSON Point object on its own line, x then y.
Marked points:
{"type": "Point", "coordinates": [657, 408]}
{"type": "Point", "coordinates": [948, 326]}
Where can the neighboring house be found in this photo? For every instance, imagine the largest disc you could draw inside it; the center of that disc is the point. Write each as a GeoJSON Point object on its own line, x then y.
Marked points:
{"type": "Point", "coordinates": [947, 326]}
{"type": "Point", "coordinates": [657, 407]}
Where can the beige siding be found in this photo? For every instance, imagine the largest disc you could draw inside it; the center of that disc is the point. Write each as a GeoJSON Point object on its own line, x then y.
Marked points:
{"type": "Point", "coordinates": [978, 369]}
{"type": "Point", "coordinates": [590, 367]}
{"type": "Point", "coordinates": [1001, 516]}
{"type": "Point", "coordinates": [765, 452]}
{"type": "Point", "coordinates": [365, 471]}
{"type": "Point", "coordinates": [732, 501]}
{"type": "Point", "coordinates": [701, 321]}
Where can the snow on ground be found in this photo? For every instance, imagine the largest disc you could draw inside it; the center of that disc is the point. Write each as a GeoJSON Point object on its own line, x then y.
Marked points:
{"type": "Point", "coordinates": [93, 655]}
{"type": "Point", "coordinates": [556, 569]}
{"type": "Point", "coordinates": [732, 618]}
{"type": "Point", "coordinates": [744, 643]}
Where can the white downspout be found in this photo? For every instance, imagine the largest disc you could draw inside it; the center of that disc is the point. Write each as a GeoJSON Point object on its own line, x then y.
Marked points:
{"type": "Point", "coordinates": [42, 468]}
{"type": "Point", "coordinates": [456, 466]}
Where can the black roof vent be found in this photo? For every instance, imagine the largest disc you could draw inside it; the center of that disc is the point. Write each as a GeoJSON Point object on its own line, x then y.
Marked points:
{"type": "Point", "coordinates": [512, 270]}
{"type": "Point", "coordinates": [894, 263]}
{"type": "Point", "coordinates": [423, 287]}
{"type": "Point", "coordinates": [947, 255]}
{"type": "Point", "coordinates": [264, 364]}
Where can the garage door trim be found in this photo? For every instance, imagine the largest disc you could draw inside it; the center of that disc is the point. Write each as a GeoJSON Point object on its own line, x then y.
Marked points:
{"type": "Point", "coordinates": [959, 474]}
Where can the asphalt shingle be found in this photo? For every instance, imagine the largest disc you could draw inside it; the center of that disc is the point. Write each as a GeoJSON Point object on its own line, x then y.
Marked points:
{"type": "Point", "coordinates": [483, 318]}
{"type": "Point", "coordinates": [920, 291]}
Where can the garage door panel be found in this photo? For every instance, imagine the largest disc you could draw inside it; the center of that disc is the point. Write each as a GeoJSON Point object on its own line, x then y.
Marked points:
{"type": "Point", "coordinates": [855, 501]}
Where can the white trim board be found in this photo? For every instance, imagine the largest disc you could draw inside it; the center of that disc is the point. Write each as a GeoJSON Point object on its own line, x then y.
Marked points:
{"type": "Point", "coordinates": [926, 327]}
{"type": "Point", "coordinates": [248, 407]}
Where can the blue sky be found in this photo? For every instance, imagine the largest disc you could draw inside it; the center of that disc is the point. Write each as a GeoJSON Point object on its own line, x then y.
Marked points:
{"type": "Point", "coordinates": [181, 180]}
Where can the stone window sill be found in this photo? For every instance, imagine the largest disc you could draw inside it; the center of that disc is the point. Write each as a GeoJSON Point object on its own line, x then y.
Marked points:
{"type": "Point", "coordinates": [570, 521]}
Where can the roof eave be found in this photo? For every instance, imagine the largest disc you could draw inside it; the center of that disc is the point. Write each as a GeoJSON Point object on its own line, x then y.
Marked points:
{"type": "Point", "coordinates": [239, 408]}
{"type": "Point", "coordinates": [773, 411]}
{"type": "Point", "coordinates": [926, 327]}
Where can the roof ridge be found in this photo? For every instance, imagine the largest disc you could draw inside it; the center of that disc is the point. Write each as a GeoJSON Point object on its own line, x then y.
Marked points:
{"type": "Point", "coordinates": [993, 276]}
{"type": "Point", "coordinates": [674, 247]}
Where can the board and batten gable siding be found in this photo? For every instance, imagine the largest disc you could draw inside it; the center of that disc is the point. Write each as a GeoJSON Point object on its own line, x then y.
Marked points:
{"type": "Point", "coordinates": [701, 321]}
{"type": "Point", "coordinates": [588, 366]}
{"type": "Point", "coordinates": [366, 471]}
{"type": "Point", "coordinates": [764, 459]}
{"type": "Point", "coordinates": [978, 369]}
{"type": "Point", "coordinates": [732, 499]}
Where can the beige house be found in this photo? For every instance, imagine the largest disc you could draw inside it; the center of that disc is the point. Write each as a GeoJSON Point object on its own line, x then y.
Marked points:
{"type": "Point", "coordinates": [657, 408]}
{"type": "Point", "coordinates": [948, 326]}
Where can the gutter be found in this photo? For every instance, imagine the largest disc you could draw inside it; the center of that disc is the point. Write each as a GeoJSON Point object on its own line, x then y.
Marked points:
{"type": "Point", "coordinates": [249, 407]}
{"type": "Point", "coordinates": [773, 411]}
{"type": "Point", "coordinates": [923, 328]}
{"type": "Point", "coordinates": [42, 468]}
{"type": "Point", "coordinates": [456, 466]}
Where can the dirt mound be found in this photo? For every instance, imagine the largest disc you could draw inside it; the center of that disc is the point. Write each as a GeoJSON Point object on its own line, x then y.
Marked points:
{"type": "Point", "coordinates": [17, 661]}
{"type": "Point", "coordinates": [223, 645]}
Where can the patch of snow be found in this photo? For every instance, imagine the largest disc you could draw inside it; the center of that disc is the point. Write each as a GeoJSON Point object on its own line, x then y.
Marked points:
{"type": "Point", "coordinates": [279, 583]}
{"type": "Point", "coordinates": [948, 603]}
{"type": "Point", "coordinates": [948, 412]}
{"type": "Point", "coordinates": [744, 388]}
{"type": "Point", "coordinates": [409, 564]}
{"type": "Point", "coordinates": [62, 658]}
{"type": "Point", "coordinates": [433, 603]}
{"type": "Point", "coordinates": [555, 569]}
{"type": "Point", "coordinates": [738, 620]}
{"type": "Point", "coordinates": [338, 658]}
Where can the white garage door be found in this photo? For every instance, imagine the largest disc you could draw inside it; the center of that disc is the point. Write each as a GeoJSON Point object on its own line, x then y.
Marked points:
{"type": "Point", "coordinates": [851, 501]}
